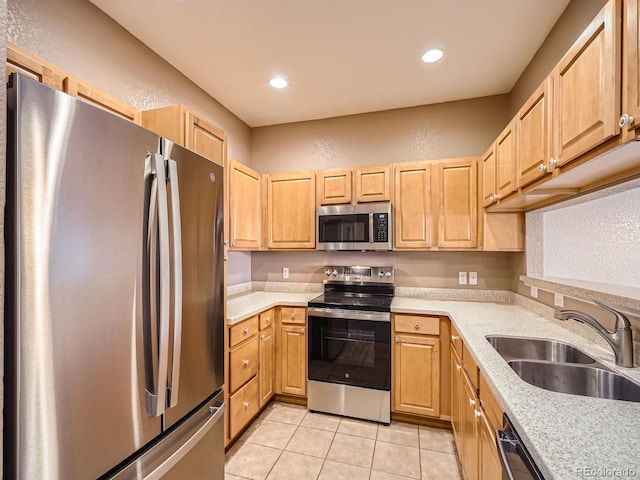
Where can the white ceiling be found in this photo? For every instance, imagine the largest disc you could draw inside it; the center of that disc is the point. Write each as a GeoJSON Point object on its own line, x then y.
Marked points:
{"type": "Point", "coordinates": [340, 56]}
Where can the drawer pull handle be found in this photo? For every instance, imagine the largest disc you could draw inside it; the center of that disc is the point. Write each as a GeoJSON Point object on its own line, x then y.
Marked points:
{"type": "Point", "coordinates": [454, 338]}
{"type": "Point", "coordinates": [292, 316]}
{"type": "Point", "coordinates": [416, 326]}
{"type": "Point", "coordinates": [247, 362]}
{"type": "Point", "coordinates": [302, 330]}
{"type": "Point", "coordinates": [472, 402]}
{"type": "Point", "coordinates": [246, 404]}
{"type": "Point", "coordinates": [397, 339]}
{"type": "Point", "coordinates": [458, 367]}
{"type": "Point", "coordinates": [247, 330]}
{"type": "Point", "coordinates": [268, 319]}
{"type": "Point", "coordinates": [477, 413]}
{"type": "Point", "coordinates": [263, 336]}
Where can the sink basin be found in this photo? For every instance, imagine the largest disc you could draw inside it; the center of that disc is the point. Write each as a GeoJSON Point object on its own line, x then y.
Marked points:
{"type": "Point", "coordinates": [577, 379]}
{"type": "Point", "coordinates": [511, 348]}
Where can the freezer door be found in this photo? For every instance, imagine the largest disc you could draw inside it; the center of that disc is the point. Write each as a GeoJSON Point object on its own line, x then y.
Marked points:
{"type": "Point", "coordinates": [194, 450]}
{"type": "Point", "coordinates": [78, 186]}
{"type": "Point", "coordinates": [199, 350]}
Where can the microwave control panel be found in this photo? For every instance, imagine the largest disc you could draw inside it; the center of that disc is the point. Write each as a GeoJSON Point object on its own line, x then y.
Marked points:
{"type": "Point", "coordinates": [380, 227]}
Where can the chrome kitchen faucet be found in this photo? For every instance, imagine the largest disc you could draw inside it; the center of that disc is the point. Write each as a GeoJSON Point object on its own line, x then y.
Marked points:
{"type": "Point", "coordinates": [621, 339]}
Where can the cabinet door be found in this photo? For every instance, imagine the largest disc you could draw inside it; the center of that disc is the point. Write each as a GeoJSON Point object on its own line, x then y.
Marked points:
{"type": "Point", "coordinates": [373, 184]}
{"type": "Point", "coordinates": [291, 211]}
{"type": "Point", "coordinates": [630, 68]}
{"type": "Point", "coordinates": [266, 373]}
{"type": "Point", "coordinates": [245, 207]}
{"type": "Point", "coordinates": [456, 396]}
{"type": "Point", "coordinates": [457, 201]}
{"type": "Point", "coordinates": [533, 135]}
{"type": "Point", "coordinates": [334, 187]}
{"type": "Point", "coordinates": [29, 65]}
{"type": "Point", "coordinates": [205, 138]}
{"type": "Point", "coordinates": [586, 90]}
{"type": "Point", "coordinates": [416, 375]}
{"type": "Point", "coordinates": [293, 360]}
{"type": "Point", "coordinates": [413, 206]}
{"type": "Point", "coordinates": [99, 98]}
{"type": "Point", "coordinates": [489, 467]}
{"type": "Point", "coordinates": [489, 177]}
{"type": "Point", "coordinates": [469, 429]}
{"type": "Point", "coordinates": [505, 162]}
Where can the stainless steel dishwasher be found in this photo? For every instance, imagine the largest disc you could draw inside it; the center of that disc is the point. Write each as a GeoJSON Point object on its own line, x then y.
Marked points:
{"type": "Point", "coordinates": [517, 463]}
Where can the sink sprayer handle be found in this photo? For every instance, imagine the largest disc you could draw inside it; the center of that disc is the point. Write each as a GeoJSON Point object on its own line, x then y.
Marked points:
{"type": "Point", "coordinates": [622, 321]}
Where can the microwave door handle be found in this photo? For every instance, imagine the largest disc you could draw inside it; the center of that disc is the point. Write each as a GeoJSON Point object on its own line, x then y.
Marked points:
{"type": "Point", "coordinates": [371, 228]}
{"type": "Point", "coordinates": [176, 233]}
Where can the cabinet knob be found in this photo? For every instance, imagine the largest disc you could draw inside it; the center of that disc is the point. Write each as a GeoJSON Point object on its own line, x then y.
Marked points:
{"type": "Point", "coordinates": [553, 162]}
{"type": "Point", "coordinates": [416, 326]}
{"type": "Point", "coordinates": [247, 330]}
{"type": "Point", "coordinates": [542, 167]}
{"type": "Point", "coordinates": [477, 413]}
{"type": "Point", "coordinates": [268, 319]}
{"type": "Point", "coordinates": [233, 244]}
{"type": "Point", "coordinates": [625, 120]}
{"type": "Point", "coordinates": [472, 402]}
{"type": "Point", "coordinates": [226, 242]}
{"type": "Point", "coordinates": [246, 404]}
{"type": "Point", "coordinates": [292, 316]}
{"type": "Point", "coordinates": [397, 339]}
{"type": "Point", "coordinates": [246, 362]}
{"type": "Point", "coordinates": [458, 368]}
{"type": "Point", "coordinates": [441, 245]}
{"type": "Point", "coordinates": [302, 330]}
{"type": "Point", "coordinates": [348, 199]}
{"type": "Point", "coordinates": [263, 336]}
{"type": "Point", "coordinates": [428, 244]}
{"type": "Point", "coordinates": [454, 338]}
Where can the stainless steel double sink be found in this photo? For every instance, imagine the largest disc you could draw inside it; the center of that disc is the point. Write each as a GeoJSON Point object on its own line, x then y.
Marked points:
{"type": "Point", "coordinates": [563, 368]}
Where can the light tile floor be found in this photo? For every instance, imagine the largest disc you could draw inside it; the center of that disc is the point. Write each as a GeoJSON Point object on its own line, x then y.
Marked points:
{"type": "Point", "coordinates": [288, 442]}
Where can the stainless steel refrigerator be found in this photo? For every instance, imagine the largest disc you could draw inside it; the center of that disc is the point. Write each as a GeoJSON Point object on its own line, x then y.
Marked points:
{"type": "Point", "coordinates": [114, 297]}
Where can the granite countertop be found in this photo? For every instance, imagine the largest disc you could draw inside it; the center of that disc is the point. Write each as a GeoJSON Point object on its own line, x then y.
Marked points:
{"type": "Point", "coordinates": [568, 436]}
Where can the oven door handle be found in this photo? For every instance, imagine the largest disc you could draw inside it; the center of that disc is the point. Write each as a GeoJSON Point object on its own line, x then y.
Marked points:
{"type": "Point", "coordinates": [348, 314]}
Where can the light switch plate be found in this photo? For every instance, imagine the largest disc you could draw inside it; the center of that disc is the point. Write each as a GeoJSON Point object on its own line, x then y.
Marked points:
{"type": "Point", "coordinates": [285, 272]}
{"type": "Point", "coordinates": [558, 300]}
{"type": "Point", "coordinates": [462, 278]}
{"type": "Point", "coordinates": [473, 278]}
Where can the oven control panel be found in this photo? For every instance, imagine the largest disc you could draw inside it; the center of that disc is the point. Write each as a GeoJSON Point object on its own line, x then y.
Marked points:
{"type": "Point", "coordinates": [359, 273]}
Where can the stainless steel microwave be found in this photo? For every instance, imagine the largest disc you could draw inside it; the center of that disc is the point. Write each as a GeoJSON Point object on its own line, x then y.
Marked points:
{"type": "Point", "coordinates": [354, 227]}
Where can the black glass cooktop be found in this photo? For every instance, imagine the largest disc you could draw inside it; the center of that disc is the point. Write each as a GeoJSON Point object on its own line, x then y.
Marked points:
{"type": "Point", "coordinates": [376, 299]}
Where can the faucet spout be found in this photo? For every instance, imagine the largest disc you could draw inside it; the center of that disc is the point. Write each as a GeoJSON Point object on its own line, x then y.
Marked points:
{"type": "Point", "coordinates": [621, 340]}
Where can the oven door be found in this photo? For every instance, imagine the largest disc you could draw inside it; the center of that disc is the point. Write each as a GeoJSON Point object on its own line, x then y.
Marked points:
{"type": "Point", "coordinates": [350, 347]}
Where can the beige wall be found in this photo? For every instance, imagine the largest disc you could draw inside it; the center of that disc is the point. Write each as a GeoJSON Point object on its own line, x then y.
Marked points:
{"type": "Point", "coordinates": [78, 37]}
{"type": "Point", "coordinates": [567, 29]}
{"type": "Point", "coordinates": [412, 269]}
{"type": "Point", "coordinates": [445, 130]}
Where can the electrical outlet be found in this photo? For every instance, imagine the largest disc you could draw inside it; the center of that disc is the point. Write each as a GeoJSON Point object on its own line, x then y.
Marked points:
{"type": "Point", "coordinates": [534, 292]}
{"type": "Point", "coordinates": [285, 272]}
{"type": "Point", "coordinates": [558, 300]}
{"type": "Point", "coordinates": [473, 278]}
{"type": "Point", "coordinates": [462, 278]}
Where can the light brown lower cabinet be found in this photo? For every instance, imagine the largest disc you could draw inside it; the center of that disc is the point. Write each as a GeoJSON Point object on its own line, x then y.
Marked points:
{"type": "Point", "coordinates": [293, 360]}
{"type": "Point", "coordinates": [267, 352]}
{"type": "Point", "coordinates": [490, 467]}
{"type": "Point", "coordinates": [243, 406]}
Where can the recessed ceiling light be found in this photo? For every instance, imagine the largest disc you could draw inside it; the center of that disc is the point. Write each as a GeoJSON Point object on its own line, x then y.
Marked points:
{"type": "Point", "coordinates": [432, 56]}
{"type": "Point", "coordinates": [278, 82]}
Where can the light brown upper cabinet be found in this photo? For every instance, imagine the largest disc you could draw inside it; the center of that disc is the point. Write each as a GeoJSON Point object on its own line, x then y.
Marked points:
{"type": "Point", "coordinates": [99, 98]}
{"type": "Point", "coordinates": [630, 118]}
{"type": "Point", "coordinates": [506, 162]}
{"type": "Point", "coordinates": [181, 125]}
{"type": "Point", "coordinates": [533, 135]}
{"type": "Point", "coordinates": [373, 184]}
{"type": "Point", "coordinates": [586, 88]}
{"type": "Point", "coordinates": [456, 203]}
{"type": "Point", "coordinates": [291, 210]}
{"type": "Point", "coordinates": [334, 186]}
{"type": "Point", "coordinates": [413, 206]}
{"type": "Point", "coordinates": [245, 207]}
{"type": "Point", "coordinates": [488, 175]}
{"type": "Point", "coordinates": [21, 61]}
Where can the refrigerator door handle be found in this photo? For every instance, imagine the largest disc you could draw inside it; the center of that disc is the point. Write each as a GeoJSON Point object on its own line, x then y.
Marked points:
{"type": "Point", "coordinates": [174, 384]}
{"type": "Point", "coordinates": [157, 401]}
{"type": "Point", "coordinates": [216, 414]}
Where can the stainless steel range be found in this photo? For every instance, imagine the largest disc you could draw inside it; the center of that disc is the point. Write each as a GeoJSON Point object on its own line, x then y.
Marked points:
{"type": "Point", "coordinates": [350, 343]}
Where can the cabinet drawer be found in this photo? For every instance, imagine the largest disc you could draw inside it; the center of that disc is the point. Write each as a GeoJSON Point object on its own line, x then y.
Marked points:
{"type": "Point", "coordinates": [470, 366]}
{"type": "Point", "coordinates": [417, 324]}
{"type": "Point", "coordinates": [293, 315]}
{"type": "Point", "coordinates": [240, 332]}
{"type": "Point", "coordinates": [243, 363]}
{"type": "Point", "coordinates": [266, 318]}
{"type": "Point", "coordinates": [456, 340]}
{"type": "Point", "coordinates": [243, 406]}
